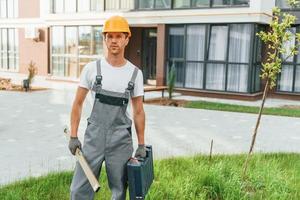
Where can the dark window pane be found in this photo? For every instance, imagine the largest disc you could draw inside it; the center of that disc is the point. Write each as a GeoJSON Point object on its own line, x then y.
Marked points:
{"type": "Point", "coordinates": [286, 78]}
{"type": "Point", "coordinates": [182, 4]}
{"type": "Point", "coordinates": [200, 3]}
{"type": "Point", "coordinates": [297, 79]}
{"type": "Point", "coordinates": [84, 40]}
{"type": "Point", "coordinates": [218, 43]}
{"type": "Point", "coordinates": [176, 37]}
{"type": "Point", "coordinates": [146, 4]}
{"type": "Point", "coordinates": [163, 4]}
{"type": "Point", "coordinates": [239, 43]}
{"type": "Point", "coordinates": [288, 45]}
{"type": "Point", "coordinates": [215, 76]}
{"type": "Point", "coordinates": [282, 4]}
{"type": "Point", "coordinates": [179, 73]}
{"type": "Point", "coordinates": [194, 75]}
{"type": "Point", "coordinates": [237, 80]}
{"type": "Point", "coordinates": [221, 2]}
{"type": "Point", "coordinates": [257, 79]}
{"type": "Point", "coordinates": [195, 47]}
{"type": "Point", "coordinates": [241, 2]}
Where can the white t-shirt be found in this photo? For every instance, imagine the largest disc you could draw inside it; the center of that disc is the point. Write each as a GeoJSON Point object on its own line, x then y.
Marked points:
{"type": "Point", "coordinates": [113, 79]}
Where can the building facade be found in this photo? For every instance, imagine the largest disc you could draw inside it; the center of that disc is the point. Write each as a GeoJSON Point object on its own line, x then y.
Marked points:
{"type": "Point", "coordinates": [211, 43]}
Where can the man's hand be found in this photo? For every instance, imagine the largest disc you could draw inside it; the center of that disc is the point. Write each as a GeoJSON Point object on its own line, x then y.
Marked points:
{"type": "Point", "coordinates": [74, 143]}
{"type": "Point", "coordinates": [141, 151]}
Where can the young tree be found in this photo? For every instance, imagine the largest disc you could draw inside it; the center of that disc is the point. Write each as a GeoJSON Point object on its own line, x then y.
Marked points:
{"type": "Point", "coordinates": [275, 40]}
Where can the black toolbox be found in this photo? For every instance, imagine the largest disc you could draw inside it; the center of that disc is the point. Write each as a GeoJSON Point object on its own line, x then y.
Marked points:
{"type": "Point", "coordinates": [140, 175]}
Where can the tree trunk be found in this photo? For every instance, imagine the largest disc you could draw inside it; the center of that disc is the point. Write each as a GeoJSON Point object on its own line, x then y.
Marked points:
{"type": "Point", "coordinates": [266, 90]}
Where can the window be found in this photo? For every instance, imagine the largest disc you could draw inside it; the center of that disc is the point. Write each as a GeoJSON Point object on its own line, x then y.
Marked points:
{"type": "Point", "coordinates": [218, 43]}
{"type": "Point", "coordinates": [215, 57]}
{"type": "Point", "coordinates": [73, 47]}
{"type": "Point", "coordinates": [162, 4]}
{"type": "Point", "coordinates": [176, 37]}
{"type": "Point", "coordinates": [58, 6]}
{"type": "Point", "coordinates": [182, 4]}
{"type": "Point", "coordinates": [239, 52]}
{"type": "Point", "coordinates": [289, 78]}
{"type": "Point", "coordinates": [97, 5]}
{"type": "Point", "coordinates": [70, 6]}
{"type": "Point", "coordinates": [218, 3]}
{"type": "Point", "coordinates": [151, 4]}
{"type": "Point", "coordinates": [83, 5]}
{"type": "Point", "coordinates": [73, 6]}
{"type": "Point", "coordinates": [200, 3]}
{"type": "Point", "coordinates": [9, 56]}
{"type": "Point", "coordinates": [3, 8]}
{"type": "Point", "coordinates": [195, 52]}
{"type": "Point", "coordinates": [282, 4]}
{"type": "Point", "coordinates": [215, 77]}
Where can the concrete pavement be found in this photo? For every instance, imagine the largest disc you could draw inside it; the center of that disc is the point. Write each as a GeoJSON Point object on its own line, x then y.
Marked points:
{"type": "Point", "coordinates": [32, 142]}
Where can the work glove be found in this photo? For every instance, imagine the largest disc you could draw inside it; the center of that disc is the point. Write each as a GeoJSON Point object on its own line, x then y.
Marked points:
{"type": "Point", "coordinates": [141, 151]}
{"type": "Point", "coordinates": [74, 143]}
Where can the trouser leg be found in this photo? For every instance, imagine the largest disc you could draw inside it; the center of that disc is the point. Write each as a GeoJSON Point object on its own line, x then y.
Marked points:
{"type": "Point", "coordinates": [93, 151]}
{"type": "Point", "coordinates": [115, 162]}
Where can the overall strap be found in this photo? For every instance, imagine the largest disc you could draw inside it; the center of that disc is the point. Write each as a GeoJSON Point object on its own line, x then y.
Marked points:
{"type": "Point", "coordinates": [98, 81]}
{"type": "Point", "coordinates": [130, 87]}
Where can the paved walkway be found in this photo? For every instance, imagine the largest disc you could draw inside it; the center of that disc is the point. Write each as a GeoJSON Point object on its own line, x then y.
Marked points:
{"type": "Point", "coordinates": [32, 142]}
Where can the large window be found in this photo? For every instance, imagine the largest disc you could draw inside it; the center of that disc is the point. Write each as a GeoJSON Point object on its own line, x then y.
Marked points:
{"type": "Point", "coordinates": [8, 8]}
{"type": "Point", "coordinates": [215, 57]}
{"type": "Point", "coordinates": [184, 4]}
{"type": "Point", "coordinates": [9, 56]}
{"type": "Point", "coordinates": [289, 78]}
{"type": "Point", "coordinates": [73, 6]}
{"type": "Point", "coordinates": [73, 47]}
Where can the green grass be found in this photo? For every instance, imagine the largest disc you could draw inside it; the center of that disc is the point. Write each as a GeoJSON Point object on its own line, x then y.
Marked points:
{"type": "Point", "coordinates": [271, 176]}
{"type": "Point", "coordinates": [290, 112]}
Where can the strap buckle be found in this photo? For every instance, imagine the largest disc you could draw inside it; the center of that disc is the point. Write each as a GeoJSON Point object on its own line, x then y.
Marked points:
{"type": "Point", "coordinates": [98, 79]}
{"type": "Point", "coordinates": [130, 85]}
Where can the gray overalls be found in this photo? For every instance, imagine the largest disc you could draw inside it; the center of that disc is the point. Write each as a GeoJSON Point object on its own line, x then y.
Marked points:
{"type": "Point", "coordinates": [107, 137]}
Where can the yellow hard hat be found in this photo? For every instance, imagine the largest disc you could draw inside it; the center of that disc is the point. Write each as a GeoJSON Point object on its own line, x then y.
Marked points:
{"type": "Point", "coordinates": [116, 24]}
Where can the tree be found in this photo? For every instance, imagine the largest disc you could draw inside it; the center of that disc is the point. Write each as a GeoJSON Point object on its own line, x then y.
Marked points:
{"type": "Point", "coordinates": [275, 40]}
{"type": "Point", "coordinates": [171, 80]}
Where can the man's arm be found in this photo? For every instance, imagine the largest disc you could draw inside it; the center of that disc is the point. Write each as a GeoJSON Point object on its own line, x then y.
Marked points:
{"type": "Point", "coordinates": [76, 110]}
{"type": "Point", "coordinates": [139, 118]}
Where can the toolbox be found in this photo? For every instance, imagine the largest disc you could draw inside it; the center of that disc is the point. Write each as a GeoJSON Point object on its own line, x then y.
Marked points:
{"type": "Point", "coordinates": [140, 175]}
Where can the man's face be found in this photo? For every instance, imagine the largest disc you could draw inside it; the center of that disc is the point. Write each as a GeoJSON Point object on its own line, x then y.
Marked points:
{"type": "Point", "coordinates": [116, 42]}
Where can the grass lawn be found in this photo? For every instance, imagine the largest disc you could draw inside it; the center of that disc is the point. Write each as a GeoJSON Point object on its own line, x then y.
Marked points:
{"type": "Point", "coordinates": [290, 112]}
{"type": "Point", "coordinates": [272, 176]}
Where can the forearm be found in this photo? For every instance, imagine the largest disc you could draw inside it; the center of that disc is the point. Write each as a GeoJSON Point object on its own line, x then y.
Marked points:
{"type": "Point", "coordinates": [139, 122]}
{"type": "Point", "coordinates": [75, 119]}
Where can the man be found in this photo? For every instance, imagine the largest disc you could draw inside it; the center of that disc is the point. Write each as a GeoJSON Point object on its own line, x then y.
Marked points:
{"type": "Point", "coordinates": [115, 84]}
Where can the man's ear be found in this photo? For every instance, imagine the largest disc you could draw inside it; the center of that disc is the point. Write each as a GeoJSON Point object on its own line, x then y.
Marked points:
{"type": "Point", "coordinates": [126, 40]}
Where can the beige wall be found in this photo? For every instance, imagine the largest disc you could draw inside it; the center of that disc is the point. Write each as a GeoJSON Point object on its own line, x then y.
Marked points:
{"type": "Point", "coordinates": [34, 51]}
{"type": "Point", "coordinates": [29, 8]}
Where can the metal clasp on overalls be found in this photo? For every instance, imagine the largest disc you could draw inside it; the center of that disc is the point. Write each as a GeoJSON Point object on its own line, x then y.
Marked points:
{"type": "Point", "coordinates": [98, 79]}
{"type": "Point", "coordinates": [130, 85]}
